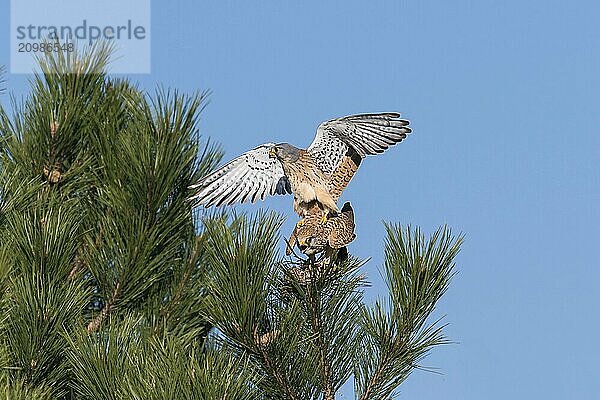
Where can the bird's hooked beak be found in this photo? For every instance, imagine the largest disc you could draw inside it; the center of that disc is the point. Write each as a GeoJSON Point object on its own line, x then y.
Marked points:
{"type": "Point", "coordinates": [273, 152]}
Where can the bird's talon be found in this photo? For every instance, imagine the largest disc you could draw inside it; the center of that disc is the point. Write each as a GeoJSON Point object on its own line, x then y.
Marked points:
{"type": "Point", "coordinates": [324, 219]}
{"type": "Point", "coordinates": [300, 223]}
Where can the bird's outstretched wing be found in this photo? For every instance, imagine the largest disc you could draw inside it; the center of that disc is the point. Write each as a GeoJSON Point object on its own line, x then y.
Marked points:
{"type": "Point", "coordinates": [340, 144]}
{"type": "Point", "coordinates": [249, 177]}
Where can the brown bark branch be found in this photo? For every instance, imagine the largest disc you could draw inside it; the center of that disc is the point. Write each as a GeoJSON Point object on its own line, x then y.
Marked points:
{"type": "Point", "coordinates": [316, 325]}
{"type": "Point", "coordinates": [166, 310]}
{"type": "Point", "coordinates": [267, 362]}
{"type": "Point", "coordinates": [106, 310]}
{"type": "Point", "coordinates": [77, 266]}
{"type": "Point", "coordinates": [374, 380]}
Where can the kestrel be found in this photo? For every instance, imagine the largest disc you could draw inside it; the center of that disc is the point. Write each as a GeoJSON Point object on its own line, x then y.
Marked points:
{"type": "Point", "coordinates": [317, 175]}
{"type": "Point", "coordinates": [314, 237]}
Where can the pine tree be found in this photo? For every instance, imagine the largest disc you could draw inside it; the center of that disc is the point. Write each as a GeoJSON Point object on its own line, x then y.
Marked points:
{"type": "Point", "coordinates": [113, 288]}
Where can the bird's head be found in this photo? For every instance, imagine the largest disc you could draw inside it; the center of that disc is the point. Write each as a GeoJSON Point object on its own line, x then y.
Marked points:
{"type": "Point", "coordinates": [285, 152]}
{"type": "Point", "coordinates": [311, 245]}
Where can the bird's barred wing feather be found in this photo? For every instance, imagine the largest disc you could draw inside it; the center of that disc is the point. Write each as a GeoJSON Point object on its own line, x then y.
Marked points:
{"type": "Point", "coordinates": [341, 144]}
{"type": "Point", "coordinates": [249, 177]}
{"type": "Point", "coordinates": [366, 134]}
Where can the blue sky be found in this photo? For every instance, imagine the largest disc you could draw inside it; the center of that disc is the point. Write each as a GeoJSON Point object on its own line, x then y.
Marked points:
{"type": "Point", "coordinates": [503, 98]}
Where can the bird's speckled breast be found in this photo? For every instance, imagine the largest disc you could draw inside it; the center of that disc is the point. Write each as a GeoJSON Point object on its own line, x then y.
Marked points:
{"type": "Point", "coordinates": [304, 170]}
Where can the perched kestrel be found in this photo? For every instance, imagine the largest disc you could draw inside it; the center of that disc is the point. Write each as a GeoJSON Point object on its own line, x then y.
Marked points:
{"type": "Point", "coordinates": [318, 174]}
{"type": "Point", "coordinates": [313, 237]}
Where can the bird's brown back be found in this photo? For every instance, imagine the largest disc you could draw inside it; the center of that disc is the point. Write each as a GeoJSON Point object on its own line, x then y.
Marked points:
{"type": "Point", "coordinates": [343, 174]}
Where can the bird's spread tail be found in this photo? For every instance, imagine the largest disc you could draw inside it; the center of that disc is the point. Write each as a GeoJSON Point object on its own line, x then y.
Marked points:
{"type": "Point", "coordinates": [348, 210]}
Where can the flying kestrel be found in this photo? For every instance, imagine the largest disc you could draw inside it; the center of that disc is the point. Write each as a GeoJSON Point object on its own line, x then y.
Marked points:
{"type": "Point", "coordinates": [318, 174]}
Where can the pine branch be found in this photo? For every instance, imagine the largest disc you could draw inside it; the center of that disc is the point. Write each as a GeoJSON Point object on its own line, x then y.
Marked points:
{"type": "Point", "coordinates": [94, 180]}
{"type": "Point", "coordinates": [244, 304]}
{"type": "Point", "coordinates": [43, 188]}
{"type": "Point", "coordinates": [273, 370]}
{"type": "Point", "coordinates": [18, 390]}
{"type": "Point", "coordinates": [125, 360]}
{"type": "Point", "coordinates": [106, 310]}
{"type": "Point", "coordinates": [143, 209]}
{"type": "Point", "coordinates": [314, 307]}
{"type": "Point", "coordinates": [330, 293]}
{"type": "Point", "coordinates": [190, 265]}
{"type": "Point", "coordinates": [418, 272]}
{"type": "Point", "coordinates": [175, 307]}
